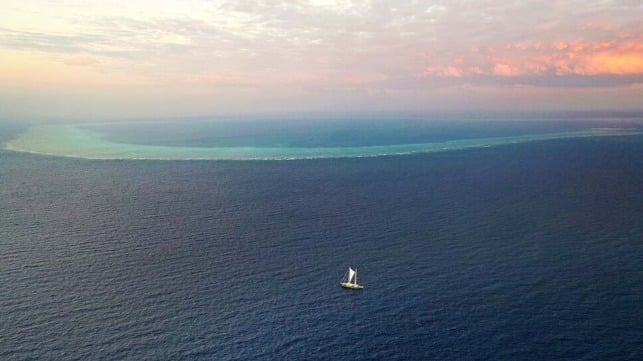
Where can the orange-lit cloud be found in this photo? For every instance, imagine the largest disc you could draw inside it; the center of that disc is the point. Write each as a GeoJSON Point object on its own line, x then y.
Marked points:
{"type": "Point", "coordinates": [624, 62]}
{"type": "Point", "coordinates": [559, 58]}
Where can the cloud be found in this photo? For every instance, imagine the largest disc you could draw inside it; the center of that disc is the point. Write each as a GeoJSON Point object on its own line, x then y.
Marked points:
{"type": "Point", "coordinates": [329, 46]}
{"type": "Point", "coordinates": [81, 60]}
{"type": "Point", "coordinates": [622, 57]}
{"type": "Point", "coordinates": [47, 42]}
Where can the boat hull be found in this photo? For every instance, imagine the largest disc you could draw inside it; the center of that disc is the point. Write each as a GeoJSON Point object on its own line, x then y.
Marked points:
{"type": "Point", "coordinates": [352, 286]}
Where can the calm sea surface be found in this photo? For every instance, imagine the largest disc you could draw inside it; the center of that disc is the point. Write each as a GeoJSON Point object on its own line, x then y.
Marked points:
{"type": "Point", "coordinates": [530, 251]}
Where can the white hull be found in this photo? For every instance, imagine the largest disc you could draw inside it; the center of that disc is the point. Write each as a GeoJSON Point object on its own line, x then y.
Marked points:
{"type": "Point", "coordinates": [353, 286]}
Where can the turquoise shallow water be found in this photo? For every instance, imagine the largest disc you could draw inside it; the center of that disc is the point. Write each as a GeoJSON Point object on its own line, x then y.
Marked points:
{"type": "Point", "coordinates": [82, 142]}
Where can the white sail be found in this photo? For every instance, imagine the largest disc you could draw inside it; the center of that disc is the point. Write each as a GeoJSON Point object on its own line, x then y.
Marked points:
{"type": "Point", "coordinates": [351, 274]}
{"type": "Point", "coordinates": [350, 280]}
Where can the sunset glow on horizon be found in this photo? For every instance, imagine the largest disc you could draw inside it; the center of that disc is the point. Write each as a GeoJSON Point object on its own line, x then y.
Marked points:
{"type": "Point", "coordinates": [143, 58]}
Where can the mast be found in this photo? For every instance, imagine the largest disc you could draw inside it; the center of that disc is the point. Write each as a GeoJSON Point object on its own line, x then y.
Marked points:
{"type": "Point", "coordinates": [350, 279]}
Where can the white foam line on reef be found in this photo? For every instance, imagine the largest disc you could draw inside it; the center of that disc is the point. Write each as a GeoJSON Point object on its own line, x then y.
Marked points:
{"type": "Point", "coordinates": [73, 142]}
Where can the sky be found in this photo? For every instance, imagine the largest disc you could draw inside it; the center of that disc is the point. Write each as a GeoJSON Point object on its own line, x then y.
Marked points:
{"type": "Point", "coordinates": [144, 58]}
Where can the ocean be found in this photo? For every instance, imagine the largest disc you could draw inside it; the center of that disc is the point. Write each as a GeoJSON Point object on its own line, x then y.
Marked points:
{"type": "Point", "coordinates": [523, 241]}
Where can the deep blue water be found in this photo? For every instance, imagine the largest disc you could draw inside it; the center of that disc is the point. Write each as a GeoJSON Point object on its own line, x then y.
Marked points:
{"type": "Point", "coordinates": [529, 251]}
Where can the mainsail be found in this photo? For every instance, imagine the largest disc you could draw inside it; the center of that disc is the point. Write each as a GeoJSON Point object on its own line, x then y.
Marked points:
{"type": "Point", "coordinates": [351, 274]}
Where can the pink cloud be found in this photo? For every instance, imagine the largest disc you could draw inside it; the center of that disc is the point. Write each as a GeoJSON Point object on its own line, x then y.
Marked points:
{"type": "Point", "coordinates": [577, 57]}
{"type": "Point", "coordinates": [504, 69]}
{"type": "Point", "coordinates": [444, 71]}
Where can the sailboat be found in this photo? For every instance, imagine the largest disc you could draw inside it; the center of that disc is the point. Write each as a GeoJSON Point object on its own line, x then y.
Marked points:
{"type": "Point", "coordinates": [350, 280]}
